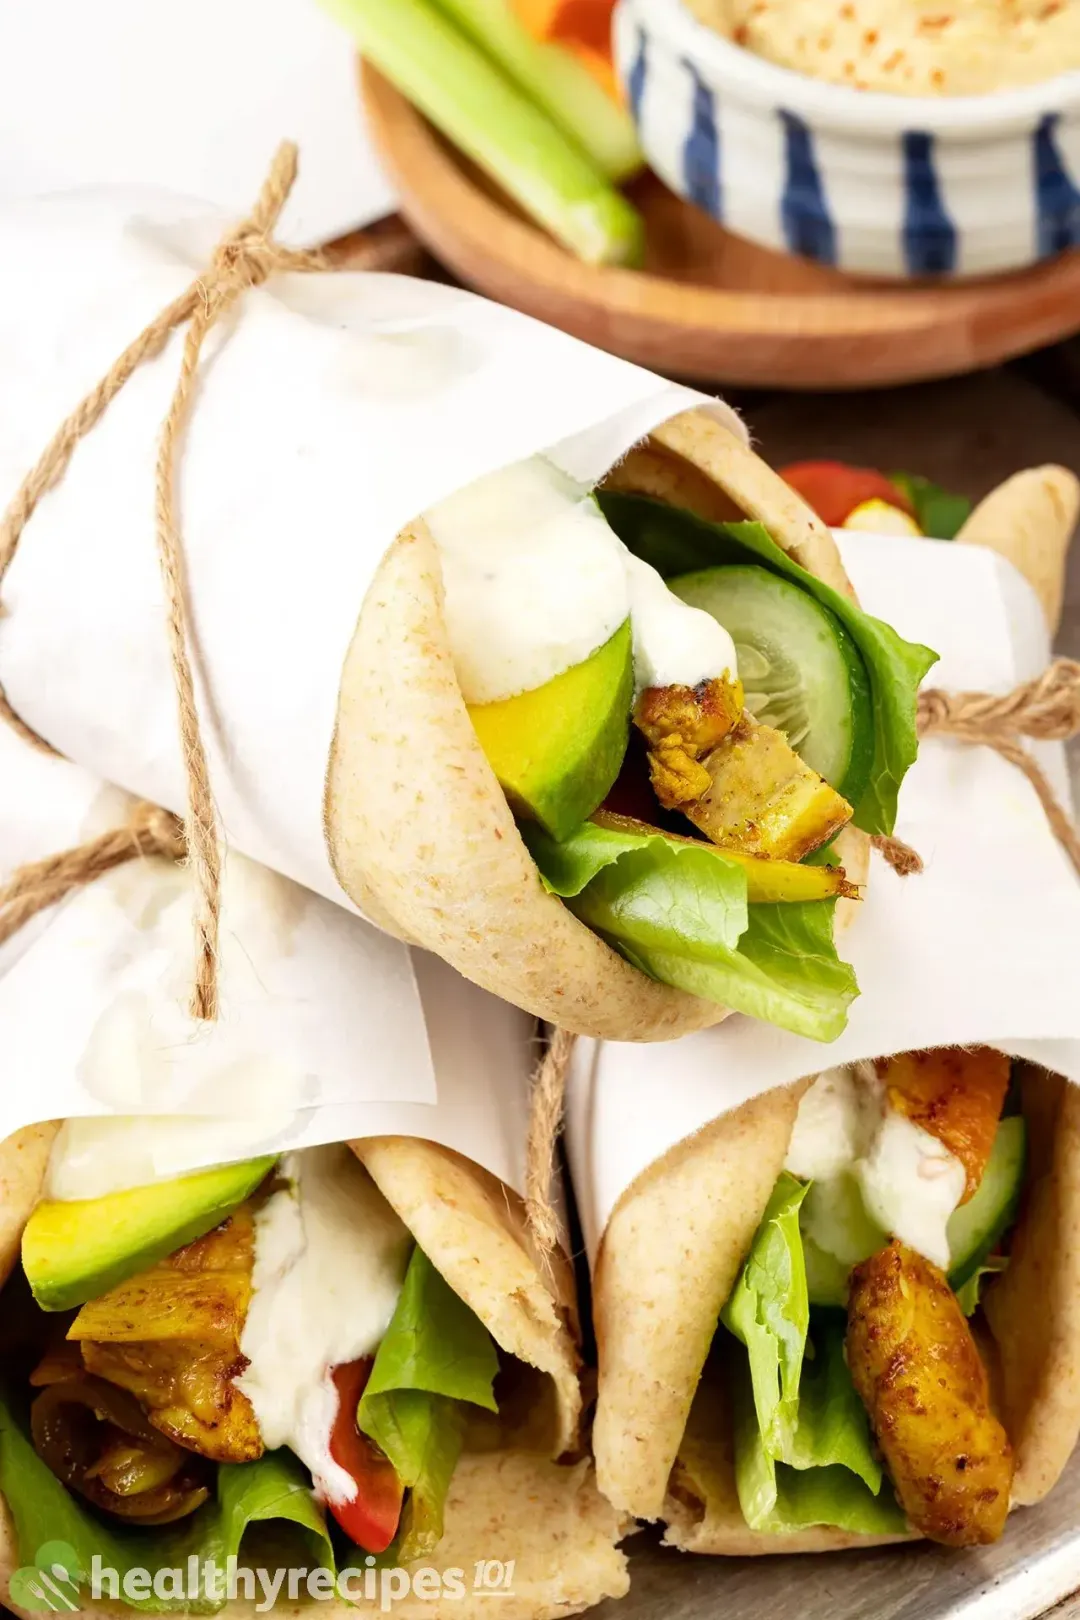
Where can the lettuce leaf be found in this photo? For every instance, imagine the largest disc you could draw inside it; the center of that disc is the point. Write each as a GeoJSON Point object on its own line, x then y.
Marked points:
{"type": "Point", "coordinates": [276, 1488]}
{"type": "Point", "coordinates": [676, 542]}
{"type": "Point", "coordinates": [969, 1293]}
{"type": "Point", "coordinates": [938, 512]}
{"type": "Point", "coordinates": [769, 1312]}
{"type": "Point", "coordinates": [779, 1498]}
{"type": "Point", "coordinates": [803, 1449]}
{"type": "Point", "coordinates": [436, 1356]}
{"type": "Point", "coordinates": [678, 911]}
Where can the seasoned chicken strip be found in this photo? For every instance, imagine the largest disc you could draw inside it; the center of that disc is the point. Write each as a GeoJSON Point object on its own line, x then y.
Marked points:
{"type": "Point", "coordinates": [956, 1094]}
{"type": "Point", "coordinates": [680, 725]}
{"type": "Point", "coordinates": [172, 1337]}
{"type": "Point", "coordinates": [918, 1372]}
{"type": "Point", "coordinates": [763, 798]}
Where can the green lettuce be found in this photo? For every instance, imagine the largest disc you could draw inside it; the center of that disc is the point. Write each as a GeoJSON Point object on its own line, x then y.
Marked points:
{"type": "Point", "coordinates": [768, 1310]}
{"type": "Point", "coordinates": [274, 1489]}
{"type": "Point", "coordinates": [678, 911]}
{"type": "Point", "coordinates": [803, 1449]}
{"type": "Point", "coordinates": [676, 542]}
{"type": "Point", "coordinates": [436, 1358]}
{"type": "Point", "coordinates": [969, 1292]}
{"type": "Point", "coordinates": [939, 513]}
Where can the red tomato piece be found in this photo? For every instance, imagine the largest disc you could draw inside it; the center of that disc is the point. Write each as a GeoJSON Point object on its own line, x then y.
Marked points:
{"type": "Point", "coordinates": [834, 489]}
{"type": "Point", "coordinates": [371, 1519]}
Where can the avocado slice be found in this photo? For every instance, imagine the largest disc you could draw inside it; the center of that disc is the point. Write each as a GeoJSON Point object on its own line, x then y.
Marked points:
{"type": "Point", "coordinates": [557, 749]}
{"type": "Point", "coordinates": [73, 1250]}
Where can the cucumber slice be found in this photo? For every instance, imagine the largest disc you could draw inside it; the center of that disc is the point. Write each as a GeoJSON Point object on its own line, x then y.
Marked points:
{"type": "Point", "coordinates": [801, 671]}
{"type": "Point", "coordinates": [976, 1226]}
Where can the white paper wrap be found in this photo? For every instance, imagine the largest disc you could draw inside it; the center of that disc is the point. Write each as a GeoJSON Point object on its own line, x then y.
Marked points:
{"type": "Point", "coordinates": [330, 411]}
{"type": "Point", "coordinates": [982, 948]}
{"type": "Point", "coordinates": [324, 1030]}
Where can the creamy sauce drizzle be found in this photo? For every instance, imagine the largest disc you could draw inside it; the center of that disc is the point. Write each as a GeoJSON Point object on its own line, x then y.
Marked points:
{"type": "Point", "coordinates": [330, 1258]}
{"type": "Point", "coordinates": [846, 1140]}
{"type": "Point", "coordinates": [536, 581]}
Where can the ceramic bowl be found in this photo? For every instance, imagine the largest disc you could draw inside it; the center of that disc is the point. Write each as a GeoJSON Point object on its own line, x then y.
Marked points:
{"type": "Point", "coordinates": [883, 185]}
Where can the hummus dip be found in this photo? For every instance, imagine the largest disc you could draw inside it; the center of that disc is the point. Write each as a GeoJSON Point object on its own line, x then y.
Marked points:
{"type": "Point", "coordinates": [908, 47]}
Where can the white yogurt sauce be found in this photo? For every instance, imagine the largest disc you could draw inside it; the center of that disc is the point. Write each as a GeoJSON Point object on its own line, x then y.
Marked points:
{"type": "Point", "coordinates": [536, 581]}
{"type": "Point", "coordinates": [911, 1184]}
{"type": "Point", "coordinates": [847, 1136]}
{"type": "Point", "coordinates": [674, 644]}
{"type": "Point", "coordinates": [330, 1258]}
{"type": "Point", "coordinates": [832, 1125]}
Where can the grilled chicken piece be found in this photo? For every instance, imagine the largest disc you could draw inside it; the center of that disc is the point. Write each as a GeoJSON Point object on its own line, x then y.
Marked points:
{"type": "Point", "coordinates": [956, 1094]}
{"type": "Point", "coordinates": [172, 1337]}
{"type": "Point", "coordinates": [680, 725]}
{"type": "Point", "coordinates": [919, 1375]}
{"type": "Point", "coordinates": [763, 799]}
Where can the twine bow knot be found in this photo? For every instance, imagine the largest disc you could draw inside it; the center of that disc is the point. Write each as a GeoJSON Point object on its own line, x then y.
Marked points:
{"type": "Point", "coordinates": [1046, 709]}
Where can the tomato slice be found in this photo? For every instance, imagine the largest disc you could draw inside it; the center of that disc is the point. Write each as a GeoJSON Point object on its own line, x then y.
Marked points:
{"type": "Point", "coordinates": [834, 489]}
{"type": "Point", "coordinates": [371, 1519]}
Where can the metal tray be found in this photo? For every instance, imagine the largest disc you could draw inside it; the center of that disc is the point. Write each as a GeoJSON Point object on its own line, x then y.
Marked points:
{"type": "Point", "coordinates": [1034, 1569]}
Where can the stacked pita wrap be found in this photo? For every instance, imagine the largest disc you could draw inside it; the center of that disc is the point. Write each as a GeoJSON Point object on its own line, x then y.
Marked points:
{"type": "Point", "coordinates": [505, 1502]}
{"type": "Point", "coordinates": [955, 1364]}
{"type": "Point", "coordinates": [664, 1438]}
{"type": "Point", "coordinates": [444, 1230]}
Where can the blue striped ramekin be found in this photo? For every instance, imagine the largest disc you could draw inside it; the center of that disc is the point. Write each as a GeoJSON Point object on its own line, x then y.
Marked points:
{"type": "Point", "coordinates": [883, 185]}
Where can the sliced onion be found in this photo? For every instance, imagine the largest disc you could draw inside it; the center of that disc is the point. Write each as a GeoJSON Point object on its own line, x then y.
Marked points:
{"type": "Point", "coordinates": [98, 1441]}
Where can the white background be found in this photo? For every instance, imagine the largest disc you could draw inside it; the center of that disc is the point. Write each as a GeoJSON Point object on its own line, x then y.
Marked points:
{"type": "Point", "coordinates": [190, 95]}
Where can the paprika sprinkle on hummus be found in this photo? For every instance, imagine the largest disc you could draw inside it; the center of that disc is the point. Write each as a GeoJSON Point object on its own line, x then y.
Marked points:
{"type": "Point", "coordinates": [907, 47]}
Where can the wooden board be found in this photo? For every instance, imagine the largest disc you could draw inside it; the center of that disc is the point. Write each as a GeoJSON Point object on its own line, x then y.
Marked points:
{"type": "Point", "coordinates": [708, 305]}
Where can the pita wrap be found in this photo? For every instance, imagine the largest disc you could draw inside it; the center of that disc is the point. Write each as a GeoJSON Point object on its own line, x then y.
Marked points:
{"type": "Point", "coordinates": [663, 1432]}
{"type": "Point", "coordinates": [514, 1504]}
{"type": "Point", "coordinates": [419, 831]}
{"type": "Point", "coordinates": [663, 1440]}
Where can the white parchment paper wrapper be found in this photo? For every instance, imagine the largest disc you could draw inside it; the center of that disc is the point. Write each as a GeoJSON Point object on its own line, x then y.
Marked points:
{"type": "Point", "coordinates": [330, 411]}
{"type": "Point", "coordinates": [982, 947]}
{"type": "Point", "coordinates": [326, 1032]}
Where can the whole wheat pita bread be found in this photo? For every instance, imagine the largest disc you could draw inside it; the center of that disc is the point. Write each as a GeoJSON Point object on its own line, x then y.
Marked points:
{"type": "Point", "coordinates": [419, 832]}
{"type": "Point", "coordinates": [656, 1305]}
{"type": "Point", "coordinates": [1031, 519]}
{"type": "Point", "coordinates": [514, 1505]}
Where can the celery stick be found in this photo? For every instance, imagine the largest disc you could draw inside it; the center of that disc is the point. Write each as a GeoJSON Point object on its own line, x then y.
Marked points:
{"type": "Point", "coordinates": [480, 111]}
{"type": "Point", "coordinates": [553, 77]}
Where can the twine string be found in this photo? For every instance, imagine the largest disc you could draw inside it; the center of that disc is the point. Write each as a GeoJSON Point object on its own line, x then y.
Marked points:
{"type": "Point", "coordinates": [546, 1106]}
{"type": "Point", "coordinates": [1046, 709]}
{"type": "Point", "coordinates": [245, 258]}
{"type": "Point", "coordinates": [40, 884]}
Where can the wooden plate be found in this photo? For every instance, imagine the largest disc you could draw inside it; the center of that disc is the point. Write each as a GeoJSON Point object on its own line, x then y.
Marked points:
{"type": "Point", "coordinates": [708, 305]}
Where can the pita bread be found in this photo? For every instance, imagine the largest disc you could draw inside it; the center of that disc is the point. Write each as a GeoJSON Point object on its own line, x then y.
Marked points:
{"type": "Point", "coordinates": [418, 829]}
{"type": "Point", "coordinates": [656, 1305]}
{"type": "Point", "coordinates": [1031, 519]}
{"type": "Point", "coordinates": [510, 1505]}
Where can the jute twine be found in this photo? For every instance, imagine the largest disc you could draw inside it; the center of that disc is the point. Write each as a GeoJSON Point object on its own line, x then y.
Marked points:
{"type": "Point", "coordinates": [244, 258]}
{"type": "Point", "coordinates": [1046, 709]}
